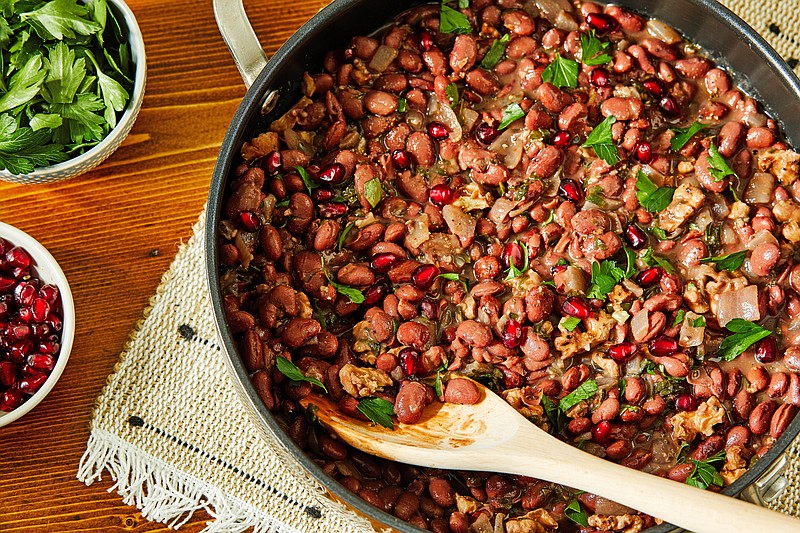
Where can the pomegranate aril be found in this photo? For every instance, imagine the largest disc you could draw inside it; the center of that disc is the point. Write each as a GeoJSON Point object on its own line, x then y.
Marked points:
{"type": "Point", "coordinates": [20, 273]}
{"type": "Point", "coordinates": [18, 331]}
{"type": "Point", "coordinates": [635, 236]}
{"type": "Point", "coordinates": [41, 362]}
{"type": "Point", "coordinates": [441, 195]}
{"type": "Point", "coordinates": [332, 209]}
{"type": "Point", "coordinates": [571, 190]}
{"type": "Point", "coordinates": [382, 263]}
{"type": "Point", "coordinates": [409, 361]}
{"type": "Point", "coordinates": [249, 221]}
{"type": "Point", "coordinates": [49, 293]}
{"type": "Point", "coordinates": [655, 87]}
{"type": "Point", "coordinates": [40, 331]}
{"type": "Point", "coordinates": [767, 350]}
{"type": "Point", "coordinates": [19, 350]}
{"type": "Point", "coordinates": [40, 310]}
{"type": "Point", "coordinates": [686, 402]}
{"type": "Point", "coordinates": [643, 152]}
{"type": "Point", "coordinates": [512, 334]}
{"type": "Point", "coordinates": [401, 159]}
{"type": "Point", "coordinates": [25, 315]}
{"type": "Point", "coordinates": [8, 373]}
{"type": "Point", "coordinates": [486, 133]}
{"type": "Point", "coordinates": [663, 346]}
{"type": "Point", "coordinates": [333, 173]}
{"type": "Point", "coordinates": [437, 130]}
{"type": "Point", "coordinates": [374, 294]}
{"type": "Point", "coordinates": [562, 139]}
{"type": "Point", "coordinates": [18, 258]}
{"type": "Point", "coordinates": [30, 384]}
{"type": "Point", "coordinates": [425, 40]}
{"type": "Point", "coordinates": [513, 253]}
{"type": "Point", "coordinates": [649, 277]}
{"type": "Point", "coordinates": [6, 284]}
{"type": "Point", "coordinates": [54, 321]}
{"type": "Point", "coordinates": [10, 400]}
{"type": "Point", "coordinates": [601, 433]}
{"type": "Point", "coordinates": [424, 276]}
{"type": "Point", "coordinates": [576, 306]}
{"type": "Point", "coordinates": [49, 347]}
{"type": "Point", "coordinates": [622, 352]}
{"type": "Point", "coordinates": [272, 162]}
{"type": "Point", "coordinates": [322, 195]}
{"type": "Point", "coordinates": [602, 23]}
{"type": "Point", "coordinates": [600, 77]}
{"type": "Point", "coordinates": [670, 106]}
{"type": "Point", "coordinates": [556, 269]}
{"type": "Point", "coordinates": [24, 293]}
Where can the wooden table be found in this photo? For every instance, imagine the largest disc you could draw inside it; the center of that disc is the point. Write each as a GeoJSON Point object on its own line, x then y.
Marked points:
{"type": "Point", "coordinates": [115, 231]}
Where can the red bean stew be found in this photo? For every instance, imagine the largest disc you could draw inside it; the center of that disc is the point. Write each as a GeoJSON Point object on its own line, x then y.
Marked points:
{"type": "Point", "coordinates": [568, 203]}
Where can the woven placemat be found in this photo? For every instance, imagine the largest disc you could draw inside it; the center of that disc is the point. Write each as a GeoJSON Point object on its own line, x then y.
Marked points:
{"type": "Point", "coordinates": [175, 438]}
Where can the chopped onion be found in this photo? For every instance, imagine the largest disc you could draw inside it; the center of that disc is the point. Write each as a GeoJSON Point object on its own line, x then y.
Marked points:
{"type": "Point", "coordinates": [438, 112]}
{"type": "Point", "coordinates": [469, 116]}
{"type": "Point", "coordinates": [418, 231]}
{"type": "Point", "coordinates": [509, 144]}
{"type": "Point", "coordinates": [500, 210]}
{"type": "Point", "coordinates": [415, 119]}
{"type": "Point", "coordinates": [740, 303]}
{"type": "Point", "coordinates": [659, 30]}
{"type": "Point", "coordinates": [551, 8]}
{"type": "Point", "coordinates": [760, 188]}
{"type": "Point", "coordinates": [620, 316]}
{"type": "Point", "coordinates": [691, 335]}
{"type": "Point", "coordinates": [383, 57]}
{"type": "Point", "coordinates": [761, 237]}
{"type": "Point", "coordinates": [640, 324]}
{"type": "Point", "coordinates": [564, 21]}
{"type": "Point", "coordinates": [460, 224]}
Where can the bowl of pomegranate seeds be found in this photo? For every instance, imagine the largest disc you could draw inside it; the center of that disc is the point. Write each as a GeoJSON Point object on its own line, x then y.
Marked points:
{"type": "Point", "coordinates": [37, 323]}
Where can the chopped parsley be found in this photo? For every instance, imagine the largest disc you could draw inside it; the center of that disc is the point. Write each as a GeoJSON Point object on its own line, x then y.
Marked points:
{"type": "Point", "coordinates": [705, 473]}
{"type": "Point", "coordinates": [353, 294]}
{"type": "Point", "coordinates": [679, 316]}
{"type": "Point", "coordinates": [378, 410]}
{"type": "Point", "coordinates": [575, 512]}
{"type": "Point", "coordinates": [290, 370]}
{"type": "Point", "coordinates": [496, 52]}
{"type": "Point", "coordinates": [452, 21]}
{"type": "Point", "coordinates": [745, 334]}
{"type": "Point", "coordinates": [452, 94]}
{"type": "Point", "coordinates": [729, 262]}
{"type": "Point", "coordinates": [570, 323]}
{"type": "Point", "coordinates": [373, 191]}
{"type": "Point", "coordinates": [585, 390]}
{"type": "Point", "coordinates": [343, 236]}
{"type": "Point", "coordinates": [602, 141]}
{"type": "Point", "coordinates": [511, 113]}
{"type": "Point", "coordinates": [654, 199]}
{"type": "Point", "coordinates": [310, 184]}
{"type": "Point", "coordinates": [593, 50]}
{"type": "Point", "coordinates": [684, 135]}
{"type": "Point", "coordinates": [651, 259]}
{"type": "Point", "coordinates": [561, 72]}
{"type": "Point", "coordinates": [717, 165]}
{"type": "Point", "coordinates": [605, 276]}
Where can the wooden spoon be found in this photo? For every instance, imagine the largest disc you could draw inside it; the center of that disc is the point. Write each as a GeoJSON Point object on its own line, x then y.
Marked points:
{"type": "Point", "coordinates": [492, 436]}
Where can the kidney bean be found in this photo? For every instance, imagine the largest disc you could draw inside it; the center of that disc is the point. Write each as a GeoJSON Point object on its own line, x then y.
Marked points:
{"type": "Point", "coordinates": [298, 331]}
{"type": "Point", "coordinates": [474, 334]}
{"type": "Point", "coordinates": [410, 61]}
{"type": "Point", "coordinates": [393, 82]}
{"type": "Point", "coordinates": [263, 385]}
{"type": "Point", "coordinates": [546, 162]}
{"type": "Point", "coordinates": [758, 378]}
{"type": "Point", "coordinates": [441, 491]}
{"type": "Point", "coordinates": [326, 235]}
{"type": "Point", "coordinates": [793, 392]}
{"type": "Point", "coordinates": [622, 62]}
{"type": "Point", "coordinates": [380, 103]}
{"type": "Point", "coordinates": [463, 54]}
{"type": "Point", "coordinates": [708, 447]}
{"type": "Point", "coordinates": [764, 257]}
{"type": "Point", "coordinates": [743, 404]}
{"type": "Point", "coordinates": [607, 410]}
{"type": "Point", "coordinates": [638, 459]}
{"type": "Point", "coordinates": [573, 117]}
{"type": "Point", "coordinates": [680, 472]}
{"type": "Point", "coordinates": [642, 58]}
{"type": "Point", "coordinates": [660, 49]}
{"type": "Point", "coordinates": [759, 137]}
{"type": "Point", "coordinates": [634, 390]}
{"type": "Point", "coordinates": [780, 421]}
{"type": "Point", "coordinates": [579, 425]}
{"type": "Point", "coordinates": [663, 302]}
{"type": "Point", "coordinates": [574, 377]}
{"type": "Point", "coordinates": [761, 416]}
{"type": "Point", "coordinates": [240, 321]}
{"type": "Point", "coordinates": [730, 138]}
{"type": "Point", "coordinates": [553, 98]}
{"type": "Point", "coordinates": [778, 383]}
{"type": "Point", "coordinates": [674, 366]}
{"type": "Point", "coordinates": [486, 268]}
{"type": "Point", "coordinates": [482, 82]}
{"type": "Point", "coordinates": [461, 391]}
{"type": "Point", "coordinates": [413, 334]}
{"type": "Point", "coordinates": [706, 179]}
{"type": "Point", "coordinates": [436, 61]}
{"type": "Point", "coordinates": [410, 401]}
{"type": "Point", "coordinates": [628, 21]}
{"type": "Point", "coordinates": [355, 274]}
{"type": "Point", "coordinates": [520, 47]}
{"type": "Point", "coordinates": [654, 406]}
{"type": "Point", "coordinates": [458, 522]}
{"type": "Point", "coordinates": [693, 67]}
{"type": "Point", "coordinates": [332, 448]}
{"type": "Point", "coordinates": [619, 450]}
{"type": "Point", "coordinates": [717, 82]}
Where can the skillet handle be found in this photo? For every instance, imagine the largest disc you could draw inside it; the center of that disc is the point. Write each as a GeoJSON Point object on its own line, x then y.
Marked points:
{"type": "Point", "coordinates": [240, 38]}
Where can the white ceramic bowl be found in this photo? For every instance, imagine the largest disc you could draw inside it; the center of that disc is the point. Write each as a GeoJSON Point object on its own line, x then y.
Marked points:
{"type": "Point", "coordinates": [48, 271]}
{"type": "Point", "coordinates": [98, 153]}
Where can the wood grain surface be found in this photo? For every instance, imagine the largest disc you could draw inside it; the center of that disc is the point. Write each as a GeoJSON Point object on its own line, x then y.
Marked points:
{"type": "Point", "coordinates": [115, 231]}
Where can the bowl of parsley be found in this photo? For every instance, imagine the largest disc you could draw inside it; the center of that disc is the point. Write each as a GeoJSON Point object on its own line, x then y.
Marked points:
{"type": "Point", "coordinates": [71, 85]}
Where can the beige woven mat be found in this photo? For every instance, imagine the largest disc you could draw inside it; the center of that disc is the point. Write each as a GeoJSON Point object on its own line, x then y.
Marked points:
{"type": "Point", "coordinates": [170, 431]}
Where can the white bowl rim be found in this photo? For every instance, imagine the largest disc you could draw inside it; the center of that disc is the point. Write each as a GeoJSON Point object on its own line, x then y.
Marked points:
{"type": "Point", "coordinates": [136, 40]}
{"type": "Point", "coordinates": [44, 261]}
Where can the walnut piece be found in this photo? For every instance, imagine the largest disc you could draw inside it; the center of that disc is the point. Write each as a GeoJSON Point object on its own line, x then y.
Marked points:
{"type": "Point", "coordinates": [626, 523]}
{"type": "Point", "coordinates": [361, 382]}
{"type": "Point", "coordinates": [735, 465]}
{"type": "Point", "coordinates": [536, 521]}
{"type": "Point", "coordinates": [685, 203]}
{"type": "Point", "coordinates": [598, 330]}
{"type": "Point", "coordinates": [260, 146]}
{"type": "Point", "coordinates": [783, 164]}
{"type": "Point", "coordinates": [687, 424]}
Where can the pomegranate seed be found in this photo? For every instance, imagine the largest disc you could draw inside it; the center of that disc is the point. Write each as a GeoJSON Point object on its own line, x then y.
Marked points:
{"type": "Point", "coordinates": [655, 87]}
{"type": "Point", "coordinates": [513, 252]}
{"type": "Point", "coordinates": [602, 23]}
{"type": "Point", "coordinates": [348, 54]}
{"type": "Point", "coordinates": [18, 258]}
{"type": "Point", "coordinates": [424, 276]}
{"type": "Point", "coordinates": [49, 293]}
{"type": "Point", "coordinates": [643, 152]}
{"type": "Point", "coordinates": [249, 221]}
{"type": "Point", "coordinates": [441, 195]}
{"type": "Point", "coordinates": [382, 263]}
{"type": "Point", "coordinates": [425, 40]}
{"type": "Point", "coordinates": [401, 159]}
{"type": "Point", "coordinates": [48, 347]}
{"type": "Point", "coordinates": [600, 77]}
{"type": "Point", "coordinates": [512, 334]}
{"type": "Point", "coordinates": [24, 293]}
{"type": "Point", "coordinates": [437, 130]}
{"type": "Point", "coordinates": [649, 277]}
{"type": "Point", "coordinates": [575, 306]}
{"type": "Point", "coordinates": [18, 331]}
{"type": "Point", "coordinates": [685, 402]}
{"type": "Point", "coordinates": [670, 106]}
{"type": "Point", "coordinates": [562, 139]}
{"type": "Point", "coordinates": [19, 350]}
{"type": "Point", "coordinates": [54, 321]}
{"type": "Point", "coordinates": [24, 314]}
{"type": "Point", "coordinates": [323, 195]}
{"type": "Point", "coordinates": [409, 360]}
{"type": "Point", "coordinates": [272, 162]}
{"type": "Point", "coordinates": [6, 283]}
{"type": "Point", "coordinates": [332, 209]}
{"type": "Point", "coordinates": [30, 384]}
{"type": "Point", "coordinates": [428, 309]}
{"type": "Point", "coordinates": [767, 350]}
{"type": "Point", "coordinates": [511, 380]}
{"type": "Point", "coordinates": [570, 190]}
{"type": "Point", "coordinates": [42, 362]}
{"type": "Point", "coordinates": [622, 352]}
{"type": "Point", "coordinates": [601, 433]}
{"type": "Point", "coordinates": [486, 133]}
{"type": "Point", "coordinates": [10, 400]}
{"type": "Point", "coordinates": [21, 273]}
{"type": "Point", "coordinates": [40, 310]}
{"type": "Point", "coordinates": [333, 173]}
{"type": "Point", "coordinates": [374, 294]}
{"type": "Point", "coordinates": [663, 346]}
{"type": "Point", "coordinates": [635, 236]}
{"type": "Point", "coordinates": [8, 373]}
{"type": "Point", "coordinates": [40, 331]}
{"type": "Point", "coordinates": [556, 269]}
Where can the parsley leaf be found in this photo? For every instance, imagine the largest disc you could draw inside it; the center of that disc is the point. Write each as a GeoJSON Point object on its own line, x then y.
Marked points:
{"type": "Point", "coordinates": [745, 334]}
{"type": "Point", "coordinates": [570, 323]}
{"type": "Point", "coordinates": [605, 276]}
{"type": "Point", "coordinates": [290, 370]}
{"type": "Point", "coordinates": [684, 135]}
{"type": "Point", "coordinates": [452, 21]}
{"type": "Point", "coordinates": [452, 94]}
{"type": "Point", "coordinates": [310, 184]}
{"type": "Point", "coordinates": [495, 53]}
{"type": "Point", "coordinates": [575, 513]}
{"type": "Point", "coordinates": [728, 262]}
{"type": "Point", "coordinates": [602, 141]}
{"type": "Point", "coordinates": [61, 18]}
{"type": "Point", "coordinates": [556, 417]}
{"type": "Point", "coordinates": [511, 113]}
{"type": "Point", "coordinates": [705, 473]}
{"type": "Point", "coordinates": [630, 255]}
{"type": "Point", "coordinates": [699, 322]}
{"type": "Point", "coordinates": [22, 149]}
{"type": "Point", "coordinates": [651, 259]}
{"type": "Point", "coordinates": [679, 316]}
{"type": "Point", "coordinates": [653, 199]}
{"type": "Point", "coordinates": [717, 165]}
{"type": "Point", "coordinates": [586, 390]}
{"type": "Point", "coordinates": [402, 104]}
{"type": "Point", "coordinates": [343, 236]}
{"type": "Point", "coordinates": [593, 50]}
{"type": "Point", "coordinates": [373, 191]}
{"type": "Point", "coordinates": [561, 72]}
{"type": "Point", "coordinates": [114, 94]}
{"type": "Point", "coordinates": [24, 85]}
{"type": "Point", "coordinates": [513, 270]}
{"type": "Point", "coordinates": [378, 410]}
